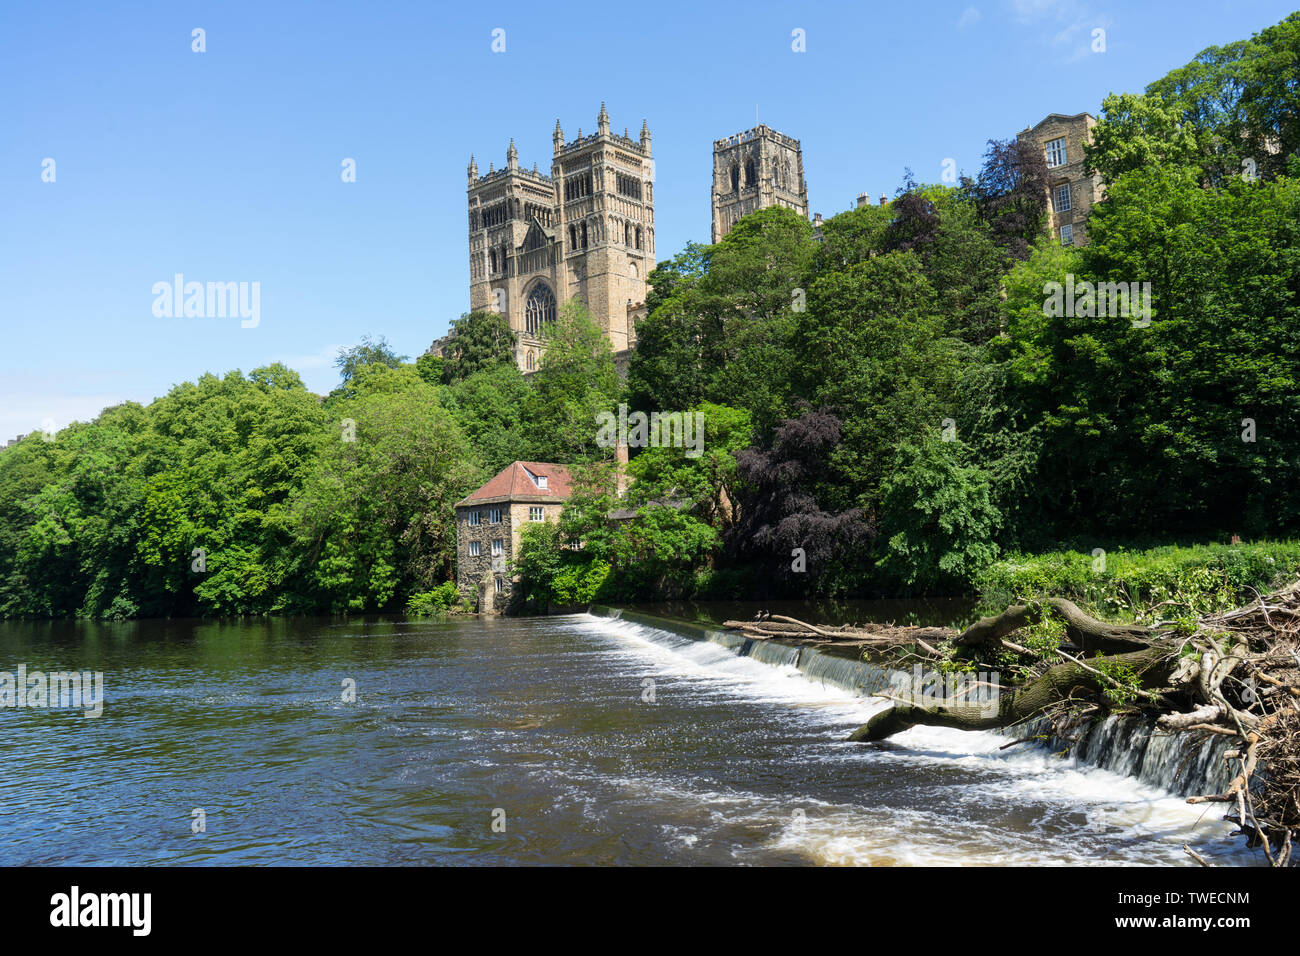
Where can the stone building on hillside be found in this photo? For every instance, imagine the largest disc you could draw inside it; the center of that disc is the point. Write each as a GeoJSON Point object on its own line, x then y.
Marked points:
{"type": "Point", "coordinates": [489, 522]}
{"type": "Point", "coordinates": [754, 170]}
{"type": "Point", "coordinates": [1071, 192]}
{"type": "Point", "coordinates": [586, 231]}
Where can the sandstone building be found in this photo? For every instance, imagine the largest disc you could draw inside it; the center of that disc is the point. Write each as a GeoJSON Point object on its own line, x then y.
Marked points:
{"type": "Point", "coordinates": [584, 232]}
{"type": "Point", "coordinates": [754, 170]}
{"type": "Point", "coordinates": [1071, 191]}
{"type": "Point", "coordinates": [489, 522]}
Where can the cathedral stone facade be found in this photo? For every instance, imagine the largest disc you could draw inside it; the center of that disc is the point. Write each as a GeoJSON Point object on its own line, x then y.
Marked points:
{"type": "Point", "coordinates": [754, 170]}
{"type": "Point", "coordinates": [584, 232]}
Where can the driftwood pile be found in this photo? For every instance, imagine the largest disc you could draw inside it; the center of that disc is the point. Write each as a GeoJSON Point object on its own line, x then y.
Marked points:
{"type": "Point", "coordinates": [1234, 674]}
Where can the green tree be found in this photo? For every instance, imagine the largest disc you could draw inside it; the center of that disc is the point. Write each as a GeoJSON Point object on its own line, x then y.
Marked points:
{"type": "Point", "coordinates": [937, 518]}
{"type": "Point", "coordinates": [479, 341]}
{"type": "Point", "coordinates": [574, 383]}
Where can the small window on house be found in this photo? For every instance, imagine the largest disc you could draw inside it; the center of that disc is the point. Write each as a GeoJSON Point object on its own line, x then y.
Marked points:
{"type": "Point", "coordinates": [498, 547]}
{"type": "Point", "coordinates": [1056, 155]}
{"type": "Point", "coordinates": [541, 481]}
{"type": "Point", "coordinates": [1061, 198]}
{"type": "Point", "coordinates": [476, 517]}
{"type": "Point", "coordinates": [494, 516]}
{"type": "Point", "coordinates": [536, 514]}
{"type": "Point", "coordinates": [1067, 235]}
{"type": "Point", "coordinates": [500, 585]}
{"type": "Point", "coordinates": [532, 361]}
{"type": "Point", "coordinates": [475, 549]}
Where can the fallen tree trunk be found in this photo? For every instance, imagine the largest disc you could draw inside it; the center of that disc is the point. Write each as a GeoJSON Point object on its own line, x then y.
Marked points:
{"type": "Point", "coordinates": [1064, 682]}
{"type": "Point", "coordinates": [1086, 632]}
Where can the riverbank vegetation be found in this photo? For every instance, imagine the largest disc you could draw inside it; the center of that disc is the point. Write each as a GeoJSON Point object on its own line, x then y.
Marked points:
{"type": "Point", "coordinates": [890, 408]}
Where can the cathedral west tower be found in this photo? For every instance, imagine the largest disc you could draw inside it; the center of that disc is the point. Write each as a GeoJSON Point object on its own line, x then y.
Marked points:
{"type": "Point", "coordinates": [584, 232]}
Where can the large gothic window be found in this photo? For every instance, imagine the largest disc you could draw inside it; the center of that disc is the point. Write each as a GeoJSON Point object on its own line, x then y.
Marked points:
{"type": "Point", "coordinates": [735, 177]}
{"type": "Point", "coordinates": [750, 177]}
{"type": "Point", "coordinates": [539, 308]}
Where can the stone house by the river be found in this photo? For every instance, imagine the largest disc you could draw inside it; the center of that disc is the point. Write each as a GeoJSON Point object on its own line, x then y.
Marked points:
{"type": "Point", "coordinates": [489, 522]}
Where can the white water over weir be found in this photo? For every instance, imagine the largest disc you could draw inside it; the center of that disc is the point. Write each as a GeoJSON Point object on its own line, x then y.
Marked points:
{"type": "Point", "coordinates": [1131, 746]}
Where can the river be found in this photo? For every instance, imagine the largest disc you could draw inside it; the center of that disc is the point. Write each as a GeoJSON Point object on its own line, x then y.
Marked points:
{"type": "Point", "coordinates": [561, 740]}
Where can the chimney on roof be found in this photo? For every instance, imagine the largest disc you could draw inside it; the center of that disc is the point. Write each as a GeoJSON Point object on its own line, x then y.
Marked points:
{"type": "Point", "coordinates": [883, 199]}
{"type": "Point", "coordinates": [862, 199]}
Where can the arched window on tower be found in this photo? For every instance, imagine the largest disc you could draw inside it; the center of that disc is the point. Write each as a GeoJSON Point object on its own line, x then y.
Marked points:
{"type": "Point", "coordinates": [532, 361]}
{"type": "Point", "coordinates": [573, 238]}
{"type": "Point", "coordinates": [539, 308]}
{"type": "Point", "coordinates": [584, 235]}
{"type": "Point", "coordinates": [638, 237]}
{"type": "Point", "coordinates": [750, 177]}
{"type": "Point", "coordinates": [735, 177]}
{"type": "Point", "coordinates": [492, 259]}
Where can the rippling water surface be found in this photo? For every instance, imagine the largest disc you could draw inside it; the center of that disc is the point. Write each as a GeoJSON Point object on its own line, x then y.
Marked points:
{"type": "Point", "coordinates": [595, 742]}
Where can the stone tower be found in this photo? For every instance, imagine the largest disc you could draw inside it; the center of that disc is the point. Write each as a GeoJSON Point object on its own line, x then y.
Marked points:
{"type": "Point", "coordinates": [584, 232]}
{"type": "Point", "coordinates": [1071, 192]}
{"type": "Point", "coordinates": [754, 170]}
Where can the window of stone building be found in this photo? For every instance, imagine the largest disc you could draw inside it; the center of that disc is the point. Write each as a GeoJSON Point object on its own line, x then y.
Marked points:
{"type": "Point", "coordinates": [584, 235]}
{"type": "Point", "coordinates": [627, 234]}
{"type": "Point", "coordinates": [498, 547]}
{"type": "Point", "coordinates": [1056, 155]}
{"type": "Point", "coordinates": [539, 308]}
{"type": "Point", "coordinates": [1067, 235]}
{"type": "Point", "coordinates": [735, 177]}
{"type": "Point", "coordinates": [536, 514]}
{"type": "Point", "coordinates": [573, 238]}
{"type": "Point", "coordinates": [475, 549]}
{"type": "Point", "coordinates": [751, 176]}
{"type": "Point", "coordinates": [1061, 198]}
{"type": "Point", "coordinates": [500, 585]}
{"type": "Point", "coordinates": [494, 516]}
{"type": "Point", "coordinates": [476, 517]}
{"type": "Point", "coordinates": [531, 361]}
{"type": "Point", "coordinates": [638, 237]}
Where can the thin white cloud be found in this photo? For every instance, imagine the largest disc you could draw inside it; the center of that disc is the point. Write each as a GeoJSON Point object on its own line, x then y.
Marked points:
{"type": "Point", "coordinates": [1070, 22]}
{"type": "Point", "coordinates": [969, 17]}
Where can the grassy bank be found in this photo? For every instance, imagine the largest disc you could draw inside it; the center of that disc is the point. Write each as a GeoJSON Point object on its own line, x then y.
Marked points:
{"type": "Point", "coordinates": [1161, 583]}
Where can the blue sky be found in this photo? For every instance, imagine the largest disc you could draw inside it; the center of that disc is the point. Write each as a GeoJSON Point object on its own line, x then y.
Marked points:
{"type": "Point", "coordinates": [225, 165]}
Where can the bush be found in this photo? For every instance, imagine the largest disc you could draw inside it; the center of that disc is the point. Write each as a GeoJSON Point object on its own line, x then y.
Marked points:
{"type": "Point", "coordinates": [1161, 583]}
{"type": "Point", "coordinates": [438, 601]}
{"type": "Point", "coordinates": [938, 520]}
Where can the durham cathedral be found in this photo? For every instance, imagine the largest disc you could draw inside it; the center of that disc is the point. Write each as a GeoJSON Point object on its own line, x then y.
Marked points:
{"type": "Point", "coordinates": [587, 230]}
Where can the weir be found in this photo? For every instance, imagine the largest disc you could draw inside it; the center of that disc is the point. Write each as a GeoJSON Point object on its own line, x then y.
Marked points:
{"type": "Point", "coordinates": [1130, 746]}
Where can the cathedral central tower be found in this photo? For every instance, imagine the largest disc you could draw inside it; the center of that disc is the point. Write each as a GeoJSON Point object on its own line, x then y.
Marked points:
{"type": "Point", "coordinates": [754, 170]}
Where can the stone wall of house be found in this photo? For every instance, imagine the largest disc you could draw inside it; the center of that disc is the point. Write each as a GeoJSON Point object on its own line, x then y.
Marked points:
{"type": "Point", "coordinates": [1085, 190]}
{"type": "Point", "coordinates": [473, 570]}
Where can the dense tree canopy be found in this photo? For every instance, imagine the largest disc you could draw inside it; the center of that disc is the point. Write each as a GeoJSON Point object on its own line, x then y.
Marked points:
{"type": "Point", "coordinates": [885, 403]}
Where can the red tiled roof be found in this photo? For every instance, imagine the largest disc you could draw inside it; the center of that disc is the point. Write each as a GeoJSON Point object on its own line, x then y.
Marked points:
{"type": "Point", "coordinates": [513, 483]}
